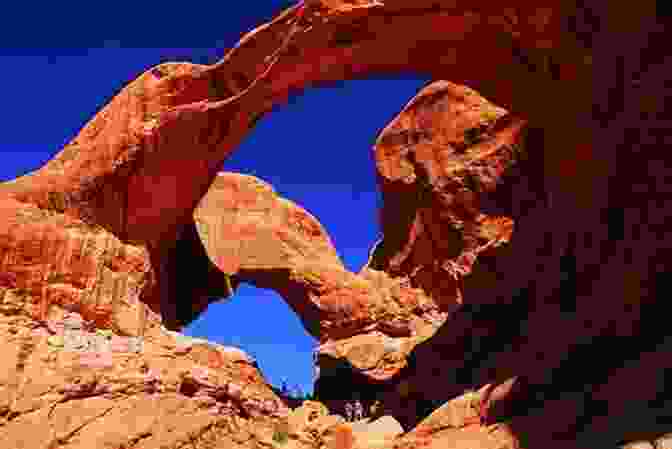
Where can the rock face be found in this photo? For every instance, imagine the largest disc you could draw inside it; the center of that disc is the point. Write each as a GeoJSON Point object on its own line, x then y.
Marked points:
{"type": "Point", "coordinates": [638, 445]}
{"type": "Point", "coordinates": [447, 163]}
{"type": "Point", "coordinates": [369, 320]}
{"type": "Point", "coordinates": [443, 163]}
{"type": "Point", "coordinates": [378, 433]}
{"type": "Point", "coordinates": [664, 442]}
{"type": "Point", "coordinates": [567, 284]}
{"type": "Point", "coordinates": [74, 390]}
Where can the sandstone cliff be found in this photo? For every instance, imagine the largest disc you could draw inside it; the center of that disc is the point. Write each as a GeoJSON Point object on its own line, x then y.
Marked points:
{"type": "Point", "coordinates": [551, 265]}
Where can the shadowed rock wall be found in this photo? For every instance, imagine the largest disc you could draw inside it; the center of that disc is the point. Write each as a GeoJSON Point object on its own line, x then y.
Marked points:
{"type": "Point", "coordinates": [98, 228]}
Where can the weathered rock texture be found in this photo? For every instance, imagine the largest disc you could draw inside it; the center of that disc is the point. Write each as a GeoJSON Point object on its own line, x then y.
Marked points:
{"type": "Point", "coordinates": [167, 392]}
{"type": "Point", "coordinates": [370, 320]}
{"type": "Point", "coordinates": [442, 164]}
{"type": "Point", "coordinates": [106, 227]}
{"type": "Point", "coordinates": [454, 424]}
{"type": "Point", "coordinates": [378, 433]}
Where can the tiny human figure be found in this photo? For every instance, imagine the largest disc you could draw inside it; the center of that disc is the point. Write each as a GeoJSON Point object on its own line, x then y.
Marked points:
{"type": "Point", "coordinates": [348, 411]}
{"type": "Point", "coordinates": [375, 408]}
{"type": "Point", "coordinates": [359, 411]}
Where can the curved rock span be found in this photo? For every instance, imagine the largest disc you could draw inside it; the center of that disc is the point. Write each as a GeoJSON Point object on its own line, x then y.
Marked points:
{"type": "Point", "coordinates": [496, 250]}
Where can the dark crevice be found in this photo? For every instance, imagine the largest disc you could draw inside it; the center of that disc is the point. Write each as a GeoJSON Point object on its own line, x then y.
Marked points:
{"type": "Point", "coordinates": [397, 218]}
{"type": "Point", "coordinates": [243, 413]}
{"type": "Point", "coordinates": [493, 326]}
{"type": "Point", "coordinates": [522, 187]}
{"type": "Point", "coordinates": [189, 388]}
{"type": "Point", "coordinates": [378, 255]}
{"type": "Point", "coordinates": [194, 281]}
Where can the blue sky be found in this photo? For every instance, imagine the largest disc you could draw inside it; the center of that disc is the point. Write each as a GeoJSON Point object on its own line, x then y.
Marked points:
{"type": "Point", "coordinates": [59, 66]}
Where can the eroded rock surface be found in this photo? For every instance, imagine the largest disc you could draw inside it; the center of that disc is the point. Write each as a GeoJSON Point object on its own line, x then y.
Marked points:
{"type": "Point", "coordinates": [164, 392]}
{"type": "Point", "coordinates": [378, 433]}
{"type": "Point", "coordinates": [593, 77]}
{"type": "Point", "coordinates": [441, 164]}
{"type": "Point", "coordinates": [369, 320]}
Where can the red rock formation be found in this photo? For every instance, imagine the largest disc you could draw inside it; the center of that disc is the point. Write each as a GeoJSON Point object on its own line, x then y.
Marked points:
{"type": "Point", "coordinates": [591, 75]}
{"type": "Point", "coordinates": [441, 163]}
{"type": "Point", "coordinates": [163, 392]}
{"type": "Point", "coordinates": [369, 320]}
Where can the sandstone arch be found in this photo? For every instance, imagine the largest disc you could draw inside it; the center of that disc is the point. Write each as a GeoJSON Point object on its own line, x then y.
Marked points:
{"type": "Point", "coordinates": [175, 106]}
{"type": "Point", "coordinates": [132, 153]}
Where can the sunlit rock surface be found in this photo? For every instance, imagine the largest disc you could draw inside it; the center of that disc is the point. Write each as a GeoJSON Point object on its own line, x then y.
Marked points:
{"type": "Point", "coordinates": [106, 229]}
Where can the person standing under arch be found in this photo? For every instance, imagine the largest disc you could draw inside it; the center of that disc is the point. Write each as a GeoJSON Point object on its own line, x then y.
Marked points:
{"type": "Point", "coordinates": [348, 411]}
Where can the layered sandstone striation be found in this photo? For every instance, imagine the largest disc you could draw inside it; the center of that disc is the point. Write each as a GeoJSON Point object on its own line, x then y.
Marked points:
{"type": "Point", "coordinates": [106, 230]}
{"type": "Point", "coordinates": [57, 390]}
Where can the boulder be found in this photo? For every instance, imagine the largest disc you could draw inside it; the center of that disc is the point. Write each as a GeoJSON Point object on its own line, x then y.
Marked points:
{"type": "Point", "coordinates": [109, 390]}
{"type": "Point", "coordinates": [663, 442]}
{"type": "Point", "coordinates": [638, 445]}
{"type": "Point", "coordinates": [377, 433]}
